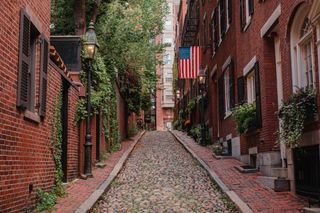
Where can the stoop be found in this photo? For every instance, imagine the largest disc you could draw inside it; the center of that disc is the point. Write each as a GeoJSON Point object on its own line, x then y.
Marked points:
{"type": "Point", "coordinates": [275, 183]}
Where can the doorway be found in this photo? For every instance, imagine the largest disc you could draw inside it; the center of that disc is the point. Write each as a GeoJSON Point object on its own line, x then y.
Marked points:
{"type": "Point", "coordinates": [64, 125]}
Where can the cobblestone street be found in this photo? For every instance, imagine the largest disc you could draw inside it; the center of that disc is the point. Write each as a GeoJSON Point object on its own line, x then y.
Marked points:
{"type": "Point", "coordinates": [160, 176]}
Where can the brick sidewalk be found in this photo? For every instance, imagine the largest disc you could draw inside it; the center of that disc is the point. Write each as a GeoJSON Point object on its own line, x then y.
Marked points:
{"type": "Point", "coordinates": [78, 191]}
{"type": "Point", "coordinates": [255, 195]}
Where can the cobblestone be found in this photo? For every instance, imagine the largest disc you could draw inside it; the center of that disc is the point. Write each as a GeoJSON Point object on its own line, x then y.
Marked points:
{"type": "Point", "coordinates": [160, 176]}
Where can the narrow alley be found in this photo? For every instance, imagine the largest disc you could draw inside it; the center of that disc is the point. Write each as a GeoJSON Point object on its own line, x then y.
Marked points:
{"type": "Point", "coordinates": [160, 176]}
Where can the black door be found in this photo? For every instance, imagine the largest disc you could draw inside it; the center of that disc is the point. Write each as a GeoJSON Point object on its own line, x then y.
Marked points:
{"type": "Point", "coordinates": [64, 121]}
{"type": "Point", "coordinates": [307, 171]}
{"type": "Point", "coordinates": [98, 137]}
{"type": "Point", "coordinates": [229, 147]}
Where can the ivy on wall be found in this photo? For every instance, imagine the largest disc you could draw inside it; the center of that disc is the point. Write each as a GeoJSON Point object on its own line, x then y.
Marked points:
{"type": "Point", "coordinates": [48, 199]}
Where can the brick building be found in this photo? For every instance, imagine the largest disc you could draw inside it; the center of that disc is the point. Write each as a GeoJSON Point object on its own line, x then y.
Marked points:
{"type": "Point", "coordinates": [33, 77]}
{"type": "Point", "coordinates": [164, 93]}
{"type": "Point", "coordinates": [256, 52]}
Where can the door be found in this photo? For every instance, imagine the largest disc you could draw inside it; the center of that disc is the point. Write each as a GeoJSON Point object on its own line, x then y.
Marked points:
{"type": "Point", "coordinates": [307, 171]}
{"type": "Point", "coordinates": [98, 137]}
{"type": "Point", "coordinates": [64, 121]}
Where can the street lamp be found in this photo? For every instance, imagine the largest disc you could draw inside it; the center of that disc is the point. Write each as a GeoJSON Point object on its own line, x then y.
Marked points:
{"type": "Point", "coordinates": [178, 94]}
{"type": "Point", "coordinates": [202, 83]}
{"type": "Point", "coordinates": [90, 47]}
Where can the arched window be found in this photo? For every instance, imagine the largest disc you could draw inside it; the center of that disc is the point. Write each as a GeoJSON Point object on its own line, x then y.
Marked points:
{"type": "Point", "coordinates": [302, 46]}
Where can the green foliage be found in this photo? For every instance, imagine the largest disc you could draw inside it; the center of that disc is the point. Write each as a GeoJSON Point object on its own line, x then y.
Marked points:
{"type": "Point", "coordinates": [56, 146]}
{"type": "Point", "coordinates": [245, 117]}
{"type": "Point", "coordinates": [217, 149]}
{"type": "Point", "coordinates": [46, 201]}
{"type": "Point", "coordinates": [293, 115]}
{"type": "Point", "coordinates": [196, 132]}
{"type": "Point", "coordinates": [103, 99]}
{"type": "Point", "coordinates": [191, 105]}
{"type": "Point", "coordinates": [126, 31]}
{"type": "Point", "coordinates": [62, 19]}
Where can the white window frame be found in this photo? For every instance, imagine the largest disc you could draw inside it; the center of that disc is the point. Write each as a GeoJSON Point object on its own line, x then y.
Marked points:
{"type": "Point", "coordinates": [219, 26]}
{"type": "Point", "coordinates": [227, 16]}
{"type": "Point", "coordinates": [302, 69]}
{"type": "Point", "coordinates": [251, 87]}
{"type": "Point", "coordinates": [297, 45]}
{"type": "Point", "coordinates": [247, 15]}
{"type": "Point", "coordinates": [227, 104]}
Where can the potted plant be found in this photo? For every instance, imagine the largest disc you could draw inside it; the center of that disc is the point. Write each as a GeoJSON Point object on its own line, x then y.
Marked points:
{"type": "Point", "coordinates": [300, 109]}
{"type": "Point", "coordinates": [245, 117]}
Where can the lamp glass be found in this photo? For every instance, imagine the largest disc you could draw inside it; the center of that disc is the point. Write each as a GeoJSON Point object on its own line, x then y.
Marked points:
{"type": "Point", "coordinates": [91, 43]}
{"type": "Point", "coordinates": [202, 80]}
{"type": "Point", "coordinates": [178, 94]}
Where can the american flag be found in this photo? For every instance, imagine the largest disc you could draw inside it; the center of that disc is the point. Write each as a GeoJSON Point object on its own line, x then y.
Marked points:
{"type": "Point", "coordinates": [189, 62]}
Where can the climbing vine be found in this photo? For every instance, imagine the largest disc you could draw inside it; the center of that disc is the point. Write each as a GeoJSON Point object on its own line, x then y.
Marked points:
{"type": "Point", "coordinates": [103, 100]}
{"type": "Point", "coordinates": [56, 146]}
{"type": "Point", "coordinates": [48, 199]}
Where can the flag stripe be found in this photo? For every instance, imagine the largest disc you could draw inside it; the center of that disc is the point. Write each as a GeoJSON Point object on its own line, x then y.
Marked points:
{"type": "Point", "coordinates": [189, 62]}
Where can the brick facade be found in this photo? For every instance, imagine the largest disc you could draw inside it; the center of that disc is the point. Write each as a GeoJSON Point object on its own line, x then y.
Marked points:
{"type": "Point", "coordinates": [264, 41]}
{"type": "Point", "coordinates": [26, 158]}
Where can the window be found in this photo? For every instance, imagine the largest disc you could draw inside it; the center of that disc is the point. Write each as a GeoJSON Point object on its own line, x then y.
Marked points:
{"type": "Point", "coordinates": [169, 97]}
{"type": "Point", "coordinates": [31, 42]}
{"type": "Point", "coordinates": [251, 88]}
{"type": "Point", "coordinates": [205, 34]}
{"type": "Point", "coordinates": [222, 11]}
{"type": "Point", "coordinates": [168, 25]}
{"type": "Point", "coordinates": [167, 59]}
{"type": "Point", "coordinates": [168, 80]}
{"type": "Point", "coordinates": [251, 81]}
{"type": "Point", "coordinates": [302, 50]}
{"type": "Point", "coordinates": [168, 42]}
{"type": "Point", "coordinates": [216, 34]}
{"type": "Point", "coordinates": [227, 91]}
{"type": "Point", "coordinates": [246, 12]}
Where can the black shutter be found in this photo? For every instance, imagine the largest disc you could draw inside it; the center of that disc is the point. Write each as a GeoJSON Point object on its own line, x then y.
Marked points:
{"type": "Point", "coordinates": [216, 35]}
{"type": "Point", "coordinates": [251, 7]}
{"type": "Point", "coordinates": [230, 11]}
{"type": "Point", "coordinates": [211, 27]}
{"type": "Point", "coordinates": [222, 17]}
{"type": "Point", "coordinates": [221, 97]}
{"type": "Point", "coordinates": [24, 62]}
{"type": "Point", "coordinates": [241, 97]}
{"type": "Point", "coordinates": [231, 83]}
{"type": "Point", "coordinates": [43, 76]}
{"type": "Point", "coordinates": [242, 15]}
{"type": "Point", "coordinates": [258, 95]}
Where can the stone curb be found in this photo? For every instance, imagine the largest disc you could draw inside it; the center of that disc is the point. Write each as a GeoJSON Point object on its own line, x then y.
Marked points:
{"type": "Point", "coordinates": [230, 193]}
{"type": "Point", "coordinates": [89, 203]}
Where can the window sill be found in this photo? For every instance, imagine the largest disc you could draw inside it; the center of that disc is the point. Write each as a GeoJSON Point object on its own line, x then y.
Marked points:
{"type": "Point", "coordinates": [247, 25]}
{"type": "Point", "coordinates": [31, 116]}
{"type": "Point", "coordinates": [228, 114]}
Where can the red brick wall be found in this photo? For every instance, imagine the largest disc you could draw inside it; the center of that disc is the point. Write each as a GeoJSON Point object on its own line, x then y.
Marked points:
{"type": "Point", "coordinates": [25, 146]}
{"type": "Point", "coordinates": [242, 47]}
{"type": "Point", "coordinates": [73, 136]}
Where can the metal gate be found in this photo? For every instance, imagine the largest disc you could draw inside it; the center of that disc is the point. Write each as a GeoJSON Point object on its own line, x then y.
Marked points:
{"type": "Point", "coordinates": [307, 171]}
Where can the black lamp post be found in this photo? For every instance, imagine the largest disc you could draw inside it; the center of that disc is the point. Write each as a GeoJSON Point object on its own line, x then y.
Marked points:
{"type": "Point", "coordinates": [202, 84]}
{"type": "Point", "coordinates": [90, 46]}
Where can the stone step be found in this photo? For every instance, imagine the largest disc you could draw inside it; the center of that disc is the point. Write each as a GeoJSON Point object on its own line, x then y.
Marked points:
{"type": "Point", "coordinates": [279, 172]}
{"type": "Point", "coordinates": [275, 183]}
{"type": "Point", "coordinates": [311, 210]}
